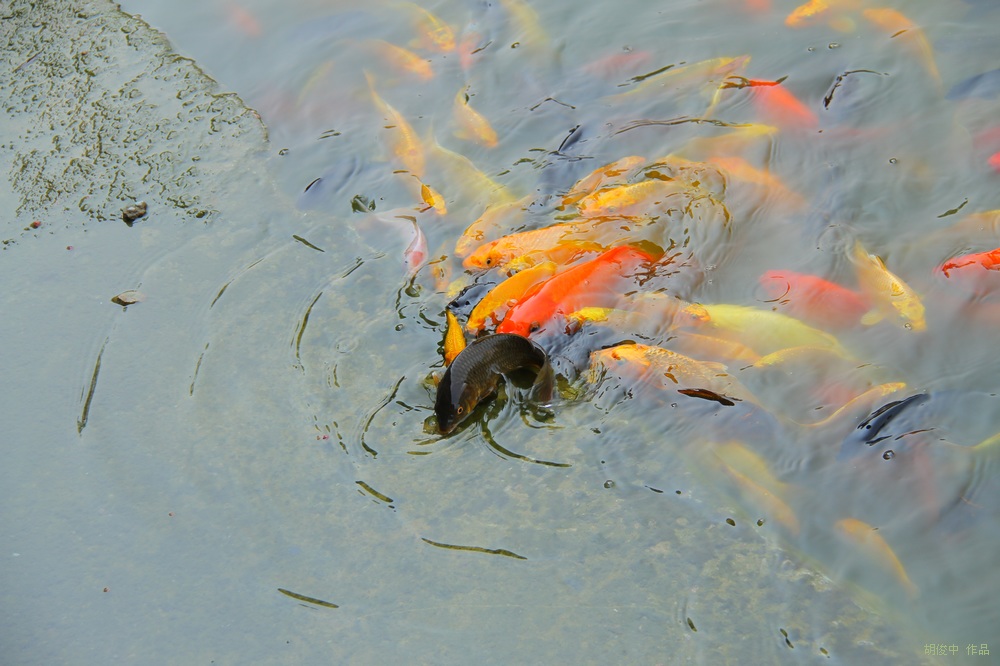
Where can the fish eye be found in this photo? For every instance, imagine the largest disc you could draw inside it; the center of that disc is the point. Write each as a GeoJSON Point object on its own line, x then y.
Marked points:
{"type": "Point", "coordinates": [489, 261]}
{"type": "Point", "coordinates": [460, 410]}
{"type": "Point", "coordinates": [534, 327]}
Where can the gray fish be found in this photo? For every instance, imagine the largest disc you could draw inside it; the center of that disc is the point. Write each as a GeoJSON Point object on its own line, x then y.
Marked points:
{"type": "Point", "coordinates": [473, 375]}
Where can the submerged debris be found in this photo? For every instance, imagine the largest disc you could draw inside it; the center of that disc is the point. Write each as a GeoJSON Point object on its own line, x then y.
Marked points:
{"type": "Point", "coordinates": [132, 213]}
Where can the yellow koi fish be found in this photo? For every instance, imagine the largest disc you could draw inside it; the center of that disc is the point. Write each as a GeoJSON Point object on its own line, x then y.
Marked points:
{"type": "Point", "coordinates": [877, 549]}
{"type": "Point", "coordinates": [454, 338]}
{"type": "Point", "coordinates": [892, 298]}
{"type": "Point", "coordinates": [506, 294]}
{"type": "Point", "coordinates": [472, 126]}
{"type": "Point", "coordinates": [605, 175]}
{"type": "Point", "coordinates": [406, 144]}
{"type": "Point", "coordinates": [900, 27]}
{"type": "Point", "coordinates": [740, 169]}
{"type": "Point", "coordinates": [764, 331]}
{"type": "Point", "coordinates": [488, 226]}
{"type": "Point", "coordinates": [628, 200]}
{"type": "Point", "coordinates": [435, 34]}
{"type": "Point", "coordinates": [433, 199]}
{"type": "Point", "coordinates": [500, 252]}
{"type": "Point", "coordinates": [756, 482]}
{"type": "Point", "coordinates": [663, 369]}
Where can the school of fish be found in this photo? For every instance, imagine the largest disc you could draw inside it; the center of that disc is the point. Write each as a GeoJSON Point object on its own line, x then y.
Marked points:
{"type": "Point", "coordinates": [619, 258]}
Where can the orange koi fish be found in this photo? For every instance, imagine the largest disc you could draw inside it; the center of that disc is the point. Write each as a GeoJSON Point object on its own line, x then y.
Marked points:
{"type": "Point", "coordinates": [877, 549]}
{"type": "Point", "coordinates": [818, 301]}
{"type": "Point", "coordinates": [512, 290]}
{"type": "Point", "coordinates": [988, 260]}
{"type": "Point", "coordinates": [501, 251]}
{"type": "Point", "coordinates": [406, 145]}
{"type": "Point", "coordinates": [402, 59]}
{"type": "Point", "coordinates": [777, 105]}
{"type": "Point", "coordinates": [595, 282]}
{"type": "Point", "coordinates": [899, 26]}
{"type": "Point", "coordinates": [454, 338]}
{"type": "Point", "coordinates": [813, 10]}
{"type": "Point", "coordinates": [472, 125]}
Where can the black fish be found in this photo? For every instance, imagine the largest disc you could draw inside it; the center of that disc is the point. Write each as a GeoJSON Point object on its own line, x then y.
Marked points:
{"type": "Point", "coordinates": [475, 372]}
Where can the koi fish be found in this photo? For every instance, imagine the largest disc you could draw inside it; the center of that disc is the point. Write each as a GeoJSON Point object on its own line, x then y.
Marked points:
{"type": "Point", "coordinates": [591, 283]}
{"type": "Point", "coordinates": [776, 104]}
{"type": "Point", "coordinates": [515, 288]}
{"type": "Point", "coordinates": [435, 34]}
{"type": "Point", "coordinates": [499, 252]}
{"type": "Point", "coordinates": [988, 260]}
{"type": "Point", "coordinates": [706, 71]}
{"type": "Point", "coordinates": [474, 374]}
{"type": "Point", "coordinates": [504, 215]}
{"type": "Point", "coordinates": [764, 331]}
{"type": "Point", "coordinates": [892, 298]}
{"type": "Point", "coordinates": [454, 338]}
{"type": "Point", "coordinates": [898, 25]}
{"type": "Point", "coordinates": [824, 303]}
{"type": "Point", "coordinates": [756, 482]}
{"type": "Point", "coordinates": [402, 59]}
{"type": "Point", "coordinates": [628, 200]}
{"type": "Point", "coordinates": [994, 161]}
{"type": "Point", "coordinates": [406, 145]}
{"type": "Point", "coordinates": [433, 199]}
{"type": "Point", "coordinates": [525, 18]}
{"type": "Point", "coordinates": [663, 369]}
{"type": "Point", "coordinates": [243, 19]}
{"type": "Point", "coordinates": [809, 12]}
{"type": "Point", "coordinates": [876, 548]}
{"type": "Point", "coordinates": [472, 125]}
{"type": "Point", "coordinates": [600, 177]}
{"type": "Point", "coordinates": [463, 173]}
{"type": "Point", "coordinates": [740, 169]}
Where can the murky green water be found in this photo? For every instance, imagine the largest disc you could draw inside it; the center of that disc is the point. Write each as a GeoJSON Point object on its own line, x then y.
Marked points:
{"type": "Point", "coordinates": [257, 422]}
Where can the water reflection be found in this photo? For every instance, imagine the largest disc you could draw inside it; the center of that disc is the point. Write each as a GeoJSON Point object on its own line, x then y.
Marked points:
{"type": "Point", "coordinates": [800, 150]}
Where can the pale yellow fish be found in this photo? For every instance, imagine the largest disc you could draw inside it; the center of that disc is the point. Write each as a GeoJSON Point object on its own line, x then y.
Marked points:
{"type": "Point", "coordinates": [988, 444]}
{"type": "Point", "coordinates": [605, 175]}
{"type": "Point", "coordinates": [404, 141]}
{"type": "Point", "coordinates": [454, 338]}
{"type": "Point", "coordinates": [764, 331]}
{"type": "Point", "coordinates": [636, 199]}
{"type": "Point", "coordinates": [901, 28]}
{"type": "Point", "coordinates": [891, 297]}
{"type": "Point", "coordinates": [877, 549]}
{"type": "Point", "coordinates": [793, 353]}
{"type": "Point", "coordinates": [526, 22]}
{"type": "Point", "coordinates": [402, 59]}
{"type": "Point", "coordinates": [757, 483]}
{"type": "Point", "coordinates": [464, 174]}
{"type": "Point", "coordinates": [435, 34]}
{"type": "Point", "coordinates": [503, 296]}
{"type": "Point", "coordinates": [317, 78]}
{"type": "Point", "coordinates": [740, 169]}
{"type": "Point", "coordinates": [713, 70]}
{"type": "Point", "coordinates": [729, 142]}
{"type": "Point", "coordinates": [491, 224]}
{"type": "Point", "coordinates": [663, 369]}
{"type": "Point", "coordinates": [472, 125]}
{"type": "Point", "coordinates": [859, 405]}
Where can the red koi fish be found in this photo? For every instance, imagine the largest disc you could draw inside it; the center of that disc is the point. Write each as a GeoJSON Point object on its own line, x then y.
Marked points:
{"type": "Point", "coordinates": [592, 283]}
{"type": "Point", "coordinates": [988, 260]}
{"type": "Point", "coordinates": [813, 299]}
{"type": "Point", "coordinates": [994, 161]}
{"type": "Point", "coordinates": [777, 105]}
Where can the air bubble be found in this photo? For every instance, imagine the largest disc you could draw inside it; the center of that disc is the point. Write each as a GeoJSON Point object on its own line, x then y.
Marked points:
{"type": "Point", "coordinates": [888, 455]}
{"type": "Point", "coordinates": [609, 484]}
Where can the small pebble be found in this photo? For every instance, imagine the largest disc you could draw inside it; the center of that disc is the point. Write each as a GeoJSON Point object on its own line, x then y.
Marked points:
{"type": "Point", "coordinates": [132, 213]}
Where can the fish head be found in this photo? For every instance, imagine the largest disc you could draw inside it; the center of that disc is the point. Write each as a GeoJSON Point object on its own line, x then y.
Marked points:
{"type": "Point", "coordinates": [485, 256]}
{"type": "Point", "coordinates": [455, 401]}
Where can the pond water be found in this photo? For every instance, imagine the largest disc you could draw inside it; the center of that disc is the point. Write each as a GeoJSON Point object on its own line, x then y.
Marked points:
{"type": "Point", "coordinates": [243, 466]}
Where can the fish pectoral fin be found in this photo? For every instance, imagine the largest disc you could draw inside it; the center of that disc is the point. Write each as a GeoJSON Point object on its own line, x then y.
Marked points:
{"type": "Point", "coordinates": [543, 388]}
{"type": "Point", "coordinates": [871, 317]}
